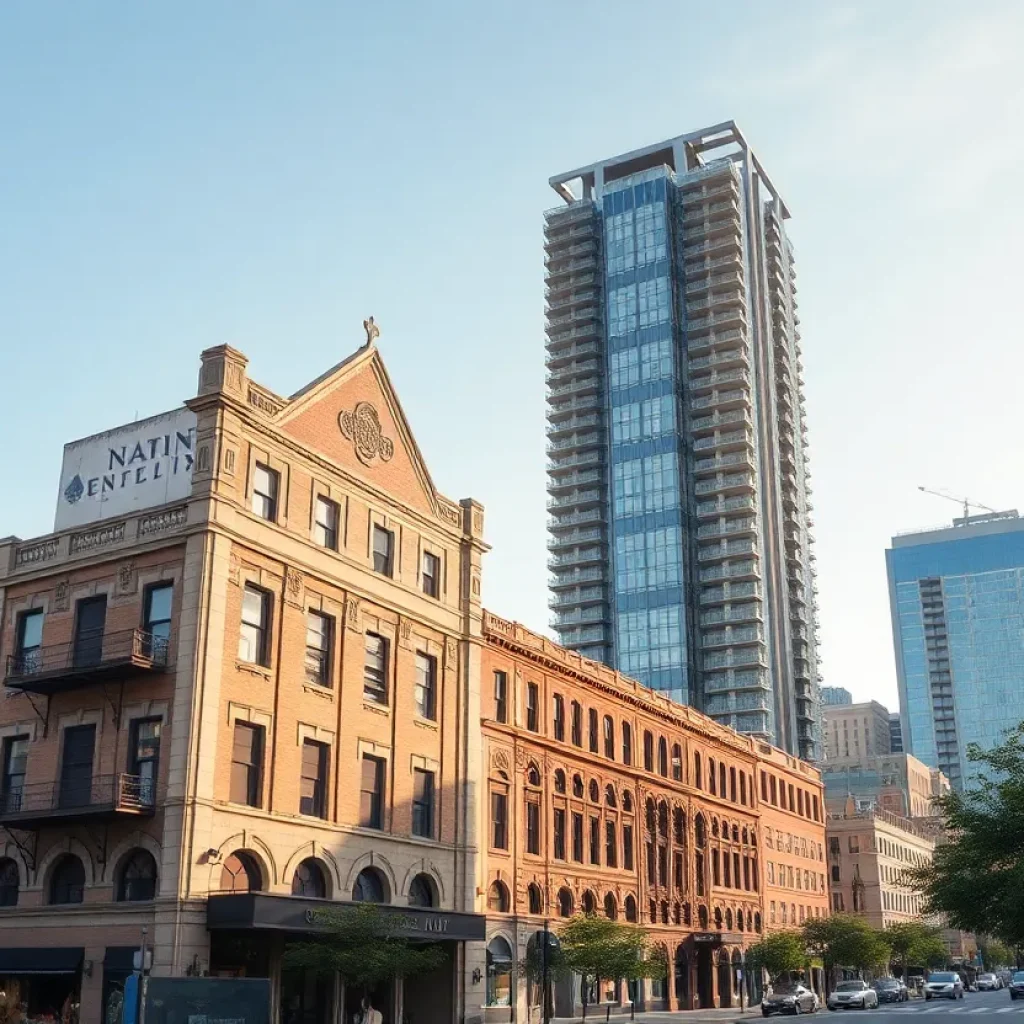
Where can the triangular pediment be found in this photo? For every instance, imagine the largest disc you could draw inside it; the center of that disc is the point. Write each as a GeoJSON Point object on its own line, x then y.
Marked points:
{"type": "Point", "coordinates": [352, 416]}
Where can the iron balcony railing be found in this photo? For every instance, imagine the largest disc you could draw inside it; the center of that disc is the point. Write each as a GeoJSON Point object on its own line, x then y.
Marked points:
{"type": "Point", "coordinates": [79, 797]}
{"type": "Point", "coordinates": [90, 656]}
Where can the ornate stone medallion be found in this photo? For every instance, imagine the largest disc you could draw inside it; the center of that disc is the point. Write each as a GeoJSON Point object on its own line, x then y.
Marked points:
{"type": "Point", "coordinates": [362, 427]}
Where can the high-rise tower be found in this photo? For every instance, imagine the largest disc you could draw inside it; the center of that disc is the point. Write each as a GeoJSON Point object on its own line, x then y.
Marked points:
{"type": "Point", "coordinates": [680, 541]}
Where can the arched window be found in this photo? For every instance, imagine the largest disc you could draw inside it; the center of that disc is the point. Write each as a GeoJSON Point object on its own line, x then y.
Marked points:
{"type": "Point", "coordinates": [739, 920]}
{"type": "Point", "coordinates": [631, 909]}
{"type": "Point", "coordinates": [653, 911]}
{"type": "Point", "coordinates": [535, 898]}
{"type": "Point", "coordinates": [627, 743]}
{"type": "Point", "coordinates": [497, 897]}
{"type": "Point", "coordinates": [664, 911]}
{"type": "Point", "coordinates": [627, 801]}
{"type": "Point", "coordinates": [595, 791]}
{"type": "Point", "coordinates": [677, 762]}
{"type": "Point", "coordinates": [241, 873]}
{"type": "Point", "coordinates": [10, 882]}
{"type": "Point", "coordinates": [648, 750]}
{"type": "Point", "coordinates": [650, 815]}
{"type": "Point", "coordinates": [559, 780]}
{"type": "Point", "coordinates": [499, 972]}
{"type": "Point", "coordinates": [370, 887]}
{"type": "Point", "coordinates": [700, 830]}
{"type": "Point", "coordinates": [743, 788]}
{"type": "Point", "coordinates": [558, 716]}
{"type": "Point", "coordinates": [714, 827]}
{"type": "Point", "coordinates": [662, 757]}
{"type": "Point", "coordinates": [686, 914]}
{"type": "Point", "coordinates": [718, 917]}
{"type": "Point", "coordinates": [677, 914]}
{"type": "Point", "coordinates": [309, 880]}
{"type": "Point", "coordinates": [564, 903]}
{"type": "Point", "coordinates": [611, 910]}
{"type": "Point", "coordinates": [589, 902]}
{"type": "Point", "coordinates": [609, 795]}
{"type": "Point", "coordinates": [592, 729]}
{"type": "Point", "coordinates": [577, 786]}
{"type": "Point", "coordinates": [663, 819]}
{"type": "Point", "coordinates": [698, 780]}
{"type": "Point", "coordinates": [712, 777]}
{"type": "Point", "coordinates": [728, 920]}
{"type": "Point", "coordinates": [609, 737]}
{"type": "Point", "coordinates": [533, 775]}
{"type": "Point", "coordinates": [67, 882]}
{"type": "Point", "coordinates": [732, 784]}
{"type": "Point", "coordinates": [746, 836]}
{"type": "Point", "coordinates": [137, 881]}
{"type": "Point", "coordinates": [735, 833]}
{"type": "Point", "coordinates": [678, 826]}
{"type": "Point", "coordinates": [702, 916]}
{"type": "Point", "coordinates": [721, 781]}
{"type": "Point", "coordinates": [577, 723]}
{"type": "Point", "coordinates": [421, 892]}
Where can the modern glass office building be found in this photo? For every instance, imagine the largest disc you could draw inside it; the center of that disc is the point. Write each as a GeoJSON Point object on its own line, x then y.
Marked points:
{"type": "Point", "coordinates": [680, 544]}
{"type": "Point", "coordinates": [957, 598]}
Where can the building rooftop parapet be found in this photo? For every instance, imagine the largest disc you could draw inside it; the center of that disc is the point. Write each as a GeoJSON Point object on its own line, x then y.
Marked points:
{"type": "Point", "coordinates": [909, 825]}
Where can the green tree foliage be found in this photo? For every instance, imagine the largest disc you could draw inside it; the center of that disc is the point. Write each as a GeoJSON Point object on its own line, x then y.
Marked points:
{"type": "Point", "coordinates": [915, 944]}
{"type": "Point", "coordinates": [596, 947]}
{"type": "Point", "coordinates": [995, 954]}
{"type": "Point", "coordinates": [977, 878]}
{"type": "Point", "coordinates": [844, 940]}
{"type": "Point", "coordinates": [361, 943]}
{"type": "Point", "coordinates": [778, 953]}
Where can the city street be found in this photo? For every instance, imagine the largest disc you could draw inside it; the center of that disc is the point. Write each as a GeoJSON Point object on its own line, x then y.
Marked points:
{"type": "Point", "coordinates": [973, 1004]}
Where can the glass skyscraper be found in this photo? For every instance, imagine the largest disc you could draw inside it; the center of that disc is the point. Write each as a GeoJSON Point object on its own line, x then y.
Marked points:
{"type": "Point", "coordinates": [680, 544]}
{"type": "Point", "coordinates": [957, 599]}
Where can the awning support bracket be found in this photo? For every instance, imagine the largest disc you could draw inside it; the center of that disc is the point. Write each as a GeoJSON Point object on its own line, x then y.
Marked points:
{"type": "Point", "coordinates": [25, 848]}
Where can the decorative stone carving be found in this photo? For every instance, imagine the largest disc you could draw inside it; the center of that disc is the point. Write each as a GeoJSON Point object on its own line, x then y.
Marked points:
{"type": "Point", "coordinates": [203, 461]}
{"type": "Point", "coordinates": [229, 461]}
{"type": "Point", "coordinates": [293, 587]}
{"type": "Point", "coordinates": [449, 513]}
{"type": "Point", "coordinates": [100, 537]}
{"type": "Point", "coordinates": [352, 614]}
{"type": "Point", "coordinates": [362, 427]}
{"type": "Point", "coordinates": [127, 579]}
{"type": "Point", "coordinates": [263, 402]}
{"type": "Point", "coordinates": [405, 633]}
{"type": "Point", "coordinates": [372, 330]}
{"type": "Point", "coordinates": [451, 650]}
{"type": "Point", "coordinates": [474, 582]}
{"type": "Point", "coordinates": [159, 522]}
{"type": "Point", "coordinates": [233, 377]}
{"type": "Point", "coordinates": [500, 760]}
{"type": "Point", "coordinates": [30, 554]}
{"type": "Point", "coordinates": [234, 570]}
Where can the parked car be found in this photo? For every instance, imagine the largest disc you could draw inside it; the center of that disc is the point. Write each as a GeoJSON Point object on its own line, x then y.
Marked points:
{"type": "Point", "coordinates": [988, 982]}
{"type": "Point", "coordinates": [789, 997]}
{"type": "Point", "coordinates": [1004, 976]}
{"type": "Point", "coordinates": [890, 990]}
{"type": "Point", "coordinates": [944, 985]}
{"type": "Point", "coordinates": [853, 995]}
{"type": "Point", "coordinates": [1016, 985]}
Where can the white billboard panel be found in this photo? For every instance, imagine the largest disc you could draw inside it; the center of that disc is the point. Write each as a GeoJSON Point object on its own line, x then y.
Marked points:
{"type": "Point", "coordinates": [126, 469]}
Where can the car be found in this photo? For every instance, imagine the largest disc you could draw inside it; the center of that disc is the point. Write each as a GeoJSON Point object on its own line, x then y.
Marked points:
{"type": "Point", "coordinates": [789, 997]}
{"type": "Point", "coordinates": [988, 983]}
{"type": "Point", "coordinates": [944, 985]}
{"type": "Point", "coordinates": [1016, 985]}
{"type": "Point", "coordinates": [853, 995]}
{"type": "Point", "coordinates": [890, 990]}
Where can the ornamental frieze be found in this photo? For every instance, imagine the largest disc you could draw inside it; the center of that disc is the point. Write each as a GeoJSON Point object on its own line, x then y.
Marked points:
{"type": "Point", "coordinates": [362, 427]}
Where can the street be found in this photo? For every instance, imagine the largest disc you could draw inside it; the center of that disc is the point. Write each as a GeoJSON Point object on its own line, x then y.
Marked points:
{"type": "Point", "coordinates": [974, 1004]}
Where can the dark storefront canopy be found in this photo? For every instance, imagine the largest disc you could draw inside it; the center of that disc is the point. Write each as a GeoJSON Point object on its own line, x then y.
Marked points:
{"type": "Point", "coordinates": [41, 960]}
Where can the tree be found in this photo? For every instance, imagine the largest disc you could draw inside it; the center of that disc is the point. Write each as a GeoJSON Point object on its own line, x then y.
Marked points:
{"type": "Point", "coordinates": [995, 954]}
{"type": "Point", "coordinates": [361, 943]}
{"type": "Point", "coordinates": [597, 947]}
{"type": "Point", "coordinates": [976, 879]}
{"type": "Point", "coordinates": [778, 953]}
{"type": "Point", "coordinates": [914, 943]}
{"type": "Point", "coordinates": [844, 940]}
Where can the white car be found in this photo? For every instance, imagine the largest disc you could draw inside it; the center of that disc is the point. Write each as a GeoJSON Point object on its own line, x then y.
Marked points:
{"type": "Point", "coordinates": [944, 985]}
{"type": "Point", "coordinates": [989, 983]}
{"type": "Point", "coordinates": [853, 995]}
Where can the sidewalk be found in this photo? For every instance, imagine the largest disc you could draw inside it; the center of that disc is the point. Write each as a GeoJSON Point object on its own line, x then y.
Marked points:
{"type": "Point", "coordinates": [710, 1016]}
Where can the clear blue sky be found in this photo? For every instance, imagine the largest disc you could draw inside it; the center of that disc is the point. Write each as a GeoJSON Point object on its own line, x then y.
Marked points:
{"type": "Point", "coordinates": [176, 175]}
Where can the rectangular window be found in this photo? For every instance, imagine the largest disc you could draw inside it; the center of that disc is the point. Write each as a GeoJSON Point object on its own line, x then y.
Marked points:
{"type": "Point", "coordinates": [425, 690]}
{"type": "Point", "coordinates": [423, 803]}
{"type": "Point", "coordinates": [611, 846]}
{"type": "Point", "coordinates": [531, 707]}
{"type": "Point", "coordinates": [558, 716]}
{"type": "Point", "coordinates": [28, 653]}
{"type": "Point", "coordinates": [319, 644]}
{"type": "Point", "coordinates": [383, 551]}
{"type": "Point", "coordinates": [431, 574]}
{"type": "Point", "coordinates": [662, 865]}
{"type": "Point", "coordinates": [592, 730]}
{"type": "Point", "coordinates": [313, 784]}
{"type": "Point", "coordinates": [577, 837]}
{"type": "Point", "coordinates": [144, 756]}
{"type": "Point", "coordinates": [627, 847]}
{"type": "Point", "coordinates": [559, 830]}
{"type": "Point", "coordinates": [13, 783]}
{"type": "Point", "coordinates": [652, 864]}
{"type": "Point", "coordinates": [254, 636]}
{"type": "Point", "coordinates": [677, 871]}
{"type": "Point", "coordinates": [247, 765]}
{"type": "Point", "coordinates": [499, 819]}
{"type": "Point", "coordinates": [500, 697]}
{"type": "Point", "coordinates": [595, 840]}
{"type": "Point", "coordinates": [375, 669]}
{"type": "Point", "coordinates": [532, 827]}
{"type": "Point", "coordinates": [371, 792]}
{"type": "Point", "coordinates": [265, 485]}
{"type": "Point", "coordinates": [156, 621]}
{"type": "Point", "coordinates": [577, 724]}
{"type": "Point", "coordinates": [325, 523]}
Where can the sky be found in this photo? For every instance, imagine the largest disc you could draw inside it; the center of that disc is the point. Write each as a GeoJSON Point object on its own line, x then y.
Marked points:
{"type": "Point", "coordinates": [179, 175]}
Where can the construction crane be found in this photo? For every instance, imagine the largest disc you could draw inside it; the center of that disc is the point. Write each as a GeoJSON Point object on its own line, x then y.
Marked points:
{"type": "Point", "coordinates": [967, 503]}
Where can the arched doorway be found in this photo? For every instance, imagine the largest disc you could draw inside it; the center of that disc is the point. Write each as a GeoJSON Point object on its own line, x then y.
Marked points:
{"type": "Point", "coordinates": [682, 979]}
{"type": "Point", "coordinates": [705, 977]}
{"type": "Point", "coordinates": [739, 977]}
{"type": "Point", "coordinates": [724, 979]}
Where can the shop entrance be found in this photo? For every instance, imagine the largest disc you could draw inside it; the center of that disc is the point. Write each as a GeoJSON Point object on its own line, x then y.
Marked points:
{"type": "Point", "coordinates": [682, 979]}
{"type": "Point", "coordinates": [382, 998]}
{"type": "Point", "coordinates": [306, 998]}
{"type": "Point", "coordinates": [705, 982]}
{"type": "Point", "coordinates": [724, 981]}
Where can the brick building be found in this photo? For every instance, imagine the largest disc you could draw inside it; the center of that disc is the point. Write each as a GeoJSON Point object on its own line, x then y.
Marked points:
{"type": "Point", "coordinates": [603, 795]}
{"type": "Point", "coordinates": [228, 708]}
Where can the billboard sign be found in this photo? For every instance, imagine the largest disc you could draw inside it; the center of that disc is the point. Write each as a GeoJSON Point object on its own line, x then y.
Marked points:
{"type": "Point", "coordinates": [121, 471]}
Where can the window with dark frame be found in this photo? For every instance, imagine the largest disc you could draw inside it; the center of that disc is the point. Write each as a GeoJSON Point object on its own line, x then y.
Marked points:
{"type": "Point", "coordinates": [371, 792]}
{"type": "Point", "coordinates": [609, 737]}
{"type": "Point", "coordinates": [425, 687]}
{"type": "Point", "coordinates": [499, 819]}
{"type": "Point", "coordinates": [592, 730]}
{"type": "Point", "coordinates": [28, 645]}
{"type": "Point", "coordinates": [254, 634]}
{"type": "Point", "coordinates": [532, 827]}
{"type": "Point", "coordinates": [313, 786]}
{"type": "Point", "coordinates": [325, 522]}
{"type": "Point", "coordinates": [577, 837]}
{"type": "Point", "coordinates": [559, 833]}
{"type": "Point", "coordinates": [383, 551]}
{"type": "Point", "coordinates": [319, 645]}
{"type": "Point", "coordinates": [558, 716]}
{"type": "Point", "coordinates": [13, 783]}
{"type": "Point", "coordinates": [266, 483]}
{"type": "Point", "coordinates": [423, 803]}
{"type": "Point", "coordinates": [577, 724]}
{"type": "Point", "coordinates": [375, 669]}
{"type": "Point", "coordinates": [611, 844]}
{"type": "Point", "coordinates": [144, 756]}
{"type": "Point", "coordinates": [247, 765]}
{"type": "Point", "coordinates": [595, 840]}
{"type": "Point", "coordinates": [627, 743]}
{"type": "Point", "coordinates": [531, 706]}
{"type": "Point", "coordinates": [156, 619]}
{"type": "Point", "coordinates": [627, 847]}
{"type": "Point", "coordinates": [501, 697]}
{"type": "Point", "coordinates": [430, 574]}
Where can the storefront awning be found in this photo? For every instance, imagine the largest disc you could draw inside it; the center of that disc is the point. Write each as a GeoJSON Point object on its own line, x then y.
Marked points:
{"type": "Point", "coordinates": [264, 911]}
{"type": "Point", "coordinates": [41, 960]}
